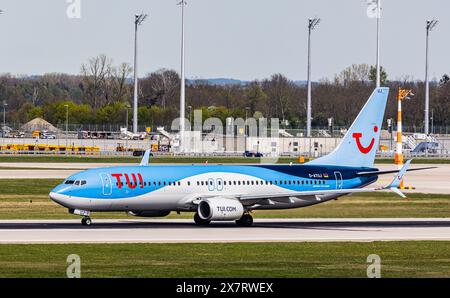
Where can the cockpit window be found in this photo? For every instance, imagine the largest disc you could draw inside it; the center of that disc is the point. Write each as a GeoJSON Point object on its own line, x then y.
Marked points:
{"type": "Point", "coordinates": [69, 182]}
{"type": "Point", "coordinates": [80, 182]}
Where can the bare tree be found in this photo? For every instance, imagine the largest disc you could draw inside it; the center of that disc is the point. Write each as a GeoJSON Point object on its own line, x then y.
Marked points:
{"type": "Point", "coordinates": [161, 86]}
{"type": "Point", "coordinates": [117, 88]}
{"type": "Point", "coordinates": [353, 73]}
{"type": "Point", "coordinates": [278, 90]}
{"type": "Point", "coordinates": [94, 75]}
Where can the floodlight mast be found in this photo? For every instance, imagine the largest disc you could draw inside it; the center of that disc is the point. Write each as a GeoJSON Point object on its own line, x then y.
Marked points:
{"type": "Point", "coordinates": [312, 24]}
{"type": "Point", "coordinates": [429, 27]}
{"type": "Point", "coordinates": [378, 83]}
{"type": "Point", "coordinates": [182, 3]}
{"type": "Point", "coordinates": [138, 20]}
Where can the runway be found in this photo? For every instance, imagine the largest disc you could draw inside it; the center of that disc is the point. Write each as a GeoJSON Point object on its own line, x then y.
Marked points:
{"type": "Point", "coordinates": [184, 231]}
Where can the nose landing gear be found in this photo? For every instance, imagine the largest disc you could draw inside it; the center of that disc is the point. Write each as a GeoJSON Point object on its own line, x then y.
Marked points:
{"type": "Point", "coordinates": [86, 221]}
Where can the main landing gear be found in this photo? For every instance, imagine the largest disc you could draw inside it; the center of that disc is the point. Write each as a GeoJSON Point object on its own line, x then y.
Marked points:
{"type": "Point", "coordinates": [245, 221]}
{"type": "Point", "coordinates": [86, 221]}
{"type": "Point", "coordinates": [200, 221]}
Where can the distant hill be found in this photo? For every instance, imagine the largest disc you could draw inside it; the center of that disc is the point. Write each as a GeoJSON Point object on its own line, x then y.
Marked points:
{"type": "Point", "coordinates": [230, 82]}
{"type": "Point", "coordinates": [218, 82]}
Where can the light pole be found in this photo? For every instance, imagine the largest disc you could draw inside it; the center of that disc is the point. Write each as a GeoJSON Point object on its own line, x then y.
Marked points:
{"type": "Point", "coordinates": [4, 119]}
{"type": "Point", "coordinates": [246, 128]}
{"type": "Point", "coordinates": [378, 42]}
{"type": "Point", "coordinates": [127, 121]}
{"type": "Point", "coordinates": [430, 25]}
{"type": "Point", "coordinates": [138, 19]}
{"type": "Point", "coordinates": [67, 124]}
{"type": "Point", "coordinates": [312, 23]}
{"type": "Point", "coordinates": [190, 114]}
{"type": "Point", "coordinates": [126, 125]}
{"type": "Point", "coordinates": [432, 122]}
{"type": "Point", "coordinates": [182, 3]}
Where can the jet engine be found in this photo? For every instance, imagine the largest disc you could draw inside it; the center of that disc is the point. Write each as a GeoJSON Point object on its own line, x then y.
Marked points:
{"type": "Point", "coordinates": [156, 213]}
{"type": "Point", "coordinates": [220, 209]}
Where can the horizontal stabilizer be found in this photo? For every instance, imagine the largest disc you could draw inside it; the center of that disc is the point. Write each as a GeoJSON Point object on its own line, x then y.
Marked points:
{"type": "Point", "coordinates": [375, 173]}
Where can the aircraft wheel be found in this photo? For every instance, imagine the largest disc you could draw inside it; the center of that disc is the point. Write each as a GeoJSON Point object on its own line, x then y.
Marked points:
{"type": "Point", "coordinates": [199, 221]}
{"type": "Point", "coordinates": [86, 221]}
{"type": "Point", "coordinates": [245, 221]}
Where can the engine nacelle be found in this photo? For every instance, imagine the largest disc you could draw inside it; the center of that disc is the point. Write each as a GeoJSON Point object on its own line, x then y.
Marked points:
{"type": "Point", "coordinates": [156, 213]}
{"type": "Point", "coordinates": [220, 209]}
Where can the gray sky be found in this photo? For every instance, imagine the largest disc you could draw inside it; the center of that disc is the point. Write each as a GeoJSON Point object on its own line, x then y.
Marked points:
{"type": "Point", "coordinates": [242, 39]}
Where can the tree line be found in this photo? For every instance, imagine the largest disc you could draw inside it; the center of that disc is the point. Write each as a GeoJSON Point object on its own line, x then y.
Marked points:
{"type": "Point", "coordinates": [102, 94]}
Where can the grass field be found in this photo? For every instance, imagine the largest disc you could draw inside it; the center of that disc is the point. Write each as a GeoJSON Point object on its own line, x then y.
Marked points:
{"type": "Point", "coordinates": [345, 259]}
{"type": "Point", "coordinates": [161, 159]}
{"type": "Point", "coordinates": [28, 199]}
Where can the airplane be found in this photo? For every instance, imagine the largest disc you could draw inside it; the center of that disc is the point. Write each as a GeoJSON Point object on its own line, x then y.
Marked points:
{"type": "Point", "coordinates": [232, 192]}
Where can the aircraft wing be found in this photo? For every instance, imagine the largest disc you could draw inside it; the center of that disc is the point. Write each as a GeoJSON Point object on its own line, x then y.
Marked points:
{"type": "Point", "coordinates": [250, 197]}
{"type": "Point", "coordinates": [244, 197]}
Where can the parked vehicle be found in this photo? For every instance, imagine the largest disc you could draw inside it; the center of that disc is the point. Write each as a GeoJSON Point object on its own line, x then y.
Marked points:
{"type": "Point", "coordinates": [48, 135]}
{"type": "Point", "coordinates": [248, 153]}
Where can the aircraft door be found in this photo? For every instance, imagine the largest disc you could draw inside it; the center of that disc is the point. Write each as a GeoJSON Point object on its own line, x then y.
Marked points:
{"type": "Point", "coordinates": [339, 181]}
{"type": "Point", "coordinates": [107, 184]}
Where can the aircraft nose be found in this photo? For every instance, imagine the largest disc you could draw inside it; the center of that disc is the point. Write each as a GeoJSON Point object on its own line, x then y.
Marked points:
{"type": "Point", "coordinates": [59, 198]}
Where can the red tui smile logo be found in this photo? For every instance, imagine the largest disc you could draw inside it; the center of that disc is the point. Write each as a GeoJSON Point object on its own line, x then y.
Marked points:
{"type": "Point", "coordinates": [358, 135]}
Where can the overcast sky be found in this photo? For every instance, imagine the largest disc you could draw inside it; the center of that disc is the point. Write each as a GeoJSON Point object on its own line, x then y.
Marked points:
{"type": "Point", "coordinates": [241, 39]}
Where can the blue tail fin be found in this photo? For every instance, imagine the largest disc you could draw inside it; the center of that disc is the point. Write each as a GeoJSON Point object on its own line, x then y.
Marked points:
{"type": "Point", "coordinates": [360, 143]}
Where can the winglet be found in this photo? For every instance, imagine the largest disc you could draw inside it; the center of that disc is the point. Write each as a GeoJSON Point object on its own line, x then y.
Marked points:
{"type": "Point", "coordinates": [397, 191]}
{"type": "Point", "coordinates": [393, 186]}
{"type": "Point", "coordinates": [144, 161]}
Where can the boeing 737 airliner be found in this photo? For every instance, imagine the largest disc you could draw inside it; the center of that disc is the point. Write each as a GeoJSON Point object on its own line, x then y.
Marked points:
{"type": "Point", "coordinates": [232, 192]}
